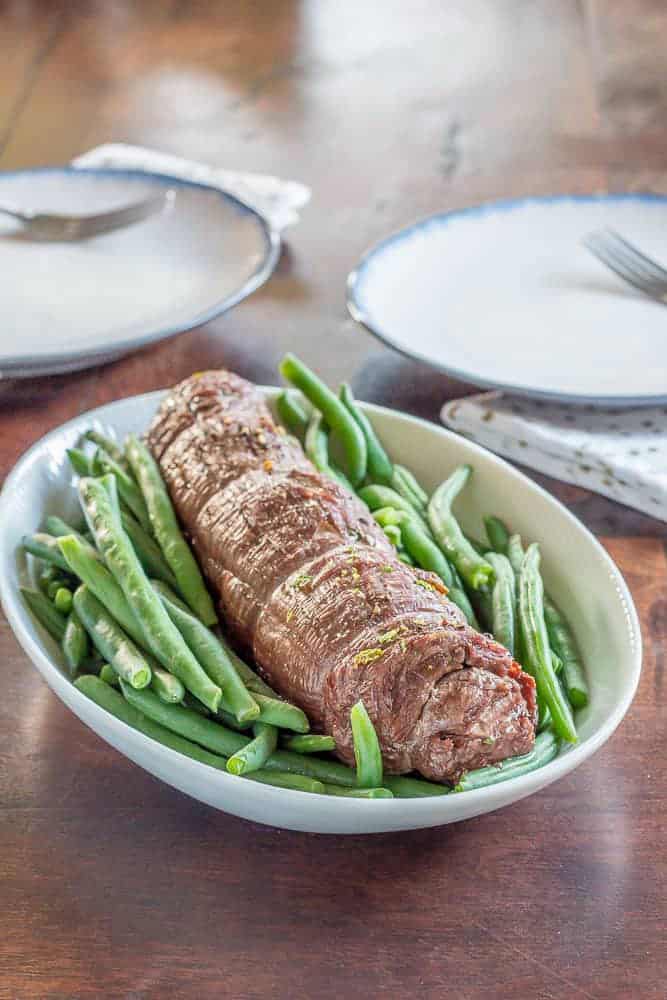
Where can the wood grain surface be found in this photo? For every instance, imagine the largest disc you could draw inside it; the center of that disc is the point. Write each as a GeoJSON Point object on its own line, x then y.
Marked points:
{"type": "Point", "coordinates": [113, 884]}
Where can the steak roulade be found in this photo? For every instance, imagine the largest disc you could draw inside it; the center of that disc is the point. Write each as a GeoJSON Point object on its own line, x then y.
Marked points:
{"type": "Point", "coordinates": [310, 586]}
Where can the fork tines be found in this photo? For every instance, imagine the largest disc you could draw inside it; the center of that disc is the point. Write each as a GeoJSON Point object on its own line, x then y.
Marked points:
{"type": "Point", "coordinates": [629, 263]}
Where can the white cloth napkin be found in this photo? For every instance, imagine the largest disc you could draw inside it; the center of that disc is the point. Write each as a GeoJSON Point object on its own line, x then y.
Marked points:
{"type": "Point", "coordinates": [277, 200]}
{"type": "Point", "coordinates": [619, 453]}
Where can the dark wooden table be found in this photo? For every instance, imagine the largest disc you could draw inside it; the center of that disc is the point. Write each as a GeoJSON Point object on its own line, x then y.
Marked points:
{"type": "Point", "coordinates": [114, 885]}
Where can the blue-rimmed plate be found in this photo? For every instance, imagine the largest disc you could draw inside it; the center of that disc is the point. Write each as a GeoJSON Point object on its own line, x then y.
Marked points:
{"type": "Point", "coordinates": [504, 295]}
{"type": "Point", "coordinates": [65, 306]}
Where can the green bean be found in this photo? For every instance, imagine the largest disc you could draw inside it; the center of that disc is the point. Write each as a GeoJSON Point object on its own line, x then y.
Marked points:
{"type": "Point", "coordinates": [117, 648]}
{"type": "Point", "coordinates": [58, 528]}
{"type": "Point", "coordinates": [255, 754]}
{"type": "Point", "coordinates": [544, 750]}
{"type": "Point", "coordinates": [292, 413]}
{"type": "Point", "coordinates": [109, 446]}
{"type": "Point", "coordinates": [162, 636]}
{"type": "Point", "coordinates": [480, 547]}
{"type": "Point", "coordinates": [376, 496]}
{"type": "Point", "coordinates": [44, 547]}
{"type": "Point", "coordinates": [389, 517]}
{"type": "Point", "coordinates": [114, 703]}
{"type": "Point", "coordinates": [251, 680]}
{"type": "Point", "coordinates": [316, 446]}
{"type": "Point", "coordinates": [212, 655]}
{"type": "Point", "coordinates": [167, 687]}
{"type": "Point", "coordinates": [555, 658]}
{"type": "Point", "coordinates": [50, 574]}
{"type": "Point", "coordinates": [45, 613]}
{"type": "Point", "coordinates": [413, 788]}
{"type": "Point", "coordinates": [358, 793]}
{"type": "Point", "coordinates": [425, 552]}
{"type": "Point", "coordinates": [187, 723]}
{"type": "Point", "coordinates": [167, 532]}
{"type": "Point", "coordinates": [497, 534]}
{"type": "Point", "coordinates": [75, 642]}
{"type": "Point", "coordinates": [341, 478]}
{"type": "Point", "coordinates": [482, 601]}
{"type": "Point", "coordinates": [189, 701]}
{"type": "Point", "coordinates": [459, 597]}
{"type": "Point", "coordinates": [63, 600]}
{"type": "Point", "coordinates": [281, 713]}
{"type": "Point", "coordinates": [217, 738]}
{"type": "Point", "coordinates": [228, 720]}
{"type": "Point", "coordinates": [328, 771]}
{"type": "Point", "coordinates": [475, 570]}
{"type": "Point", "coordinates": [393, 533]}
{"type": "Point", "coordinates": [407, 486]}
{"type": "Point", "coordinates": [310, 743]}
{"type": "Point", "coordinates": [544, 717]}
{"type": "Point", "coordinates": [536, 645]}
{"type": "Point", "coordinates": [147, 550]}
{"type": "Point", "coordinates": [515, 553]}
{"type": "Point", "coordinates": [564, 645]}
{"type": "Point", "coordinates": [128, 491]}
{"type": "Point", "coordinates": [405, 558]}
{"type": "Point", "coordinates": [295, 782]}
{"type": "Point", "coordinates": [367, 754]}
{"type": "Point", "coordinates": [79, 461]}
{"type": "Point", "coordinates": [93, 663]}
{"type": "Point", "coordinates": [380, 467]}
{"type": "Point", "coordinates": [102, 584]}
{"type": "Point", "coordinates": [334, 412]}
{"type": "Point", "coordinates": [109, 676]}
{"type": "Point", "coordinates": [54, 586]}
{"type": "Point", "coordinates": [503, 600]}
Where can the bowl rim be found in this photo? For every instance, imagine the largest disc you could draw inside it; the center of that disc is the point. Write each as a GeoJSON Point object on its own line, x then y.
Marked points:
{"type": "Point", "coordinates": [428, 811]}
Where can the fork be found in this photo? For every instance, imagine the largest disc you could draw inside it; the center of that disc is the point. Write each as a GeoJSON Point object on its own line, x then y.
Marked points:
{"type": "Point", "coordinates": [49, 226]}
{"type": "Point", "coordinates": [629, 263]}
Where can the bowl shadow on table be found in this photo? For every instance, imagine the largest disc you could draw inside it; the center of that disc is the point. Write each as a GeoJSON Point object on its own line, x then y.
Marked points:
{"type": "Point", "coordinates": [392, 380]}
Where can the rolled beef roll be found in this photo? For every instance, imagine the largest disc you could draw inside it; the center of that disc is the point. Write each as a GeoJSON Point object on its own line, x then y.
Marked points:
{"type": "Point", "coordinates": [309, 585]}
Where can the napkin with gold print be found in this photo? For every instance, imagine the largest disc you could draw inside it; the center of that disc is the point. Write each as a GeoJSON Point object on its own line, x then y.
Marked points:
{"type": "Point", "coordinates": [619, 453]}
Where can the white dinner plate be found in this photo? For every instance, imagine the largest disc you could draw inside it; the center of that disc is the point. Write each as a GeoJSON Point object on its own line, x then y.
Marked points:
{"type": "Point", "coordinates": [505, 295]}
{"type": "Point", "coordinates": [579, 574]}
{"type": "Point", "coordinates": [66, 306]}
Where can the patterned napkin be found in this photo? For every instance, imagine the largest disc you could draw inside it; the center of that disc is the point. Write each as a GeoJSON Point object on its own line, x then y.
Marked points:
{"type": "Point", "coordinates": [278, 201]}
{"type": "Point", "coordinates": [619, 453]}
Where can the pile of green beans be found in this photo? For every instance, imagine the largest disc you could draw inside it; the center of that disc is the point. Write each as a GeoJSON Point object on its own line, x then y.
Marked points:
{"type": "Point", "coordinates": [125, 599]}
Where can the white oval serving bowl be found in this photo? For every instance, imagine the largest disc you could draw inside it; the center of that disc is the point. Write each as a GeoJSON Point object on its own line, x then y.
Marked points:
{"type": "Point", "coordinates": [579, 574]}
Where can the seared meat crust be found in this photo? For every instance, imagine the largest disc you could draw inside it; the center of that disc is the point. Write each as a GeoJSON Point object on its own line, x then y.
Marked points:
{"type": "Point", "coordinates": [309, 585]}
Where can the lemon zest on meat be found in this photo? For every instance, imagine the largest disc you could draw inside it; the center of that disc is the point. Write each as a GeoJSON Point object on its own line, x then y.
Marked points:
{"type": "Point", "coordinates": [368, 656]}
